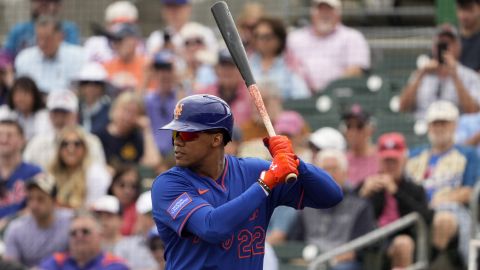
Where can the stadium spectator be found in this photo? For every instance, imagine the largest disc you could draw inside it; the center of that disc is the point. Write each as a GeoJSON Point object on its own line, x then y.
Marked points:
{"type": "Point", "coordinates": [157, 248]}
{"type": "Point", "coordinates": [358, 127]}
{"type": "Point", "coordinates": [107, 211]}
{"type": "Point", "coordinates": [26, 101]}
{"type": "Point", "coordinates": [268, 60]}
{"type": "Point", "coordinates": [79, 180]}
{"type": "Point", "coordinates": [197, 71]}
{"type": "Point", "coordinates": [126, 70]}
{"type": "Point", "coordinates": [85, 249]}
{"type": "Point", "coordinates": [161, 101]}
{"type": "Point", "coordinates": [43, 231]}
{"type": "Point", "coordinates": [442, 78]}
{"type": "Point", "coordinates": [94, 99]}
{"type": "Point", "coordinates": [98, 48]}
{"type": "Point", "coordinates": [63, 109]}
{"type": "Point", "coordinates": [394, 195]}
{"type": "Point", "coordinates": [326, 138]}
{"type": "Point", "coordinates": [447, 172]}
{"type": "Point", "coordinates": [128, 136]}
{"type": "Point", "coordinates": [126, 186]}
{"type": "Point", "coordinates": [22, 35]}
{"type": "Point", "coordinates": [328, 50]}
{"type": "Point", "coordinates": [352, 218]}
{"type": "Point", "coordinates": [175, 14]}
{"type": "Point", "coordinates": [52, 63]}
{"type": "Point", "coordinates": [246, 21]}
{"type": "Point", "coordinates": [230, 87]}
{"type": "Point", "coordinates": [13, 170]}
{"type": "Point", "coordinates": [134, 249]}
{"type": "Point", "coordinates": [468, 14]}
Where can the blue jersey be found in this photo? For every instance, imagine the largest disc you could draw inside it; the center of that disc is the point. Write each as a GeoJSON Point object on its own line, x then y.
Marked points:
{"type": "Point", "coordinates": [221, 224]}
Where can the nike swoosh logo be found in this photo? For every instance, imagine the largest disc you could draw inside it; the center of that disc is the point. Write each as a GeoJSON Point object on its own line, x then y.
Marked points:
{"type": "Point", "coordinates": [203, 191]}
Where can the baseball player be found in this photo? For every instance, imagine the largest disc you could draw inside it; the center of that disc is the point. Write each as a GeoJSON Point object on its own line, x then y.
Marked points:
{"type": "Point", "coordinates": [212, 209]}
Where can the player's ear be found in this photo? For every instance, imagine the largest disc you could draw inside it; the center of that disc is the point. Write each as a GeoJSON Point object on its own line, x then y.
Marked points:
{"type": "Point", "coordinates": [217, 139]}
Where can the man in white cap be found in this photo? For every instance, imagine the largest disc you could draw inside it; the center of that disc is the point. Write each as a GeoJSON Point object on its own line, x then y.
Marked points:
{"type": "Point", "coordinates": [107, 211]}
{"type": "Point", "coordinates": [63, 109]}
{"type": "Point", "coordinates": [328, 50]}
{"type": "Point", "coordinates": [447, 172]}
{"type": "Point", "coordinates": [326, 138]}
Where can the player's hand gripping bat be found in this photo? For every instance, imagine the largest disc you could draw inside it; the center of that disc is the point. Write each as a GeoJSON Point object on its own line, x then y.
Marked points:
{"type": "Point", "coordinates": [229, 31]}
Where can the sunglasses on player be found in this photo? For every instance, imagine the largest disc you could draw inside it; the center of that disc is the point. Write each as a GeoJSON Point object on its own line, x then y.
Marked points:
{"type": "Point", "coordinates": [186, 136]}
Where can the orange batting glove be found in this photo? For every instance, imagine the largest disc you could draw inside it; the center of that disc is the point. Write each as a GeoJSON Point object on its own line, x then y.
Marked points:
{"type": "Point", "coordinates": [278, 144]}
{"type": "Point", "coordinates": [282, 165]}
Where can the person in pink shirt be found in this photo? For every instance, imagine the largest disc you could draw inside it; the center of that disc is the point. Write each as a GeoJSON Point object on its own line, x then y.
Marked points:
{"type": "Point", "coordinates": [327, 50]}
{"type": "Point", "coordinates": [231, 88]}
{"type": "Point", "coordinates": [358, 128]}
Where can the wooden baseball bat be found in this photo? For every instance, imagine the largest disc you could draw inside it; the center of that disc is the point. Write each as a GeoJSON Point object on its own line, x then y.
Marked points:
{"type": "Point", "coordinates": [229, 31]}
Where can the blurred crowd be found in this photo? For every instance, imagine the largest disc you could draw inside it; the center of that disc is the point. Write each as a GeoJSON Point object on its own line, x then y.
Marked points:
{"type": "Point", "coordinates": [80, 145]}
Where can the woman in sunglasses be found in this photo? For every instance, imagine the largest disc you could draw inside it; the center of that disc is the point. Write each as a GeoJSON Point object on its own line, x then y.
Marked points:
{"type": "Point", "coordinates": [269, 61]}
{"type": "Point", "coordinates": [79, 181]}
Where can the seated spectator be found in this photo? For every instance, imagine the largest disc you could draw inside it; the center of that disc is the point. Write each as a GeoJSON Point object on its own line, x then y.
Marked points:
{"type": "Point", "coordinates": [268, 61]}
{"type": "Point", "coordinates": [43, 231]}
{"type": "Point", "coordinates": [22, 35]}
{"type": "Point", "coordinates": [26, 101]}
{"type": "Point", "coordinates": [352, 218]}
{"type": "Point", "coordinates": [126, 68]}
{"type": "Point", "coordinates": [85, 249]}
{"type": "Point", "coordinates": [246, 21]}
{"type": "Point", "coordinates": [326, 138]}
{"type": "Point", "coordinates": [98, 48]}
{"type": "Point", "coordinates": [157, 248]}
{"type": "Point", "coordinates": [394, 195]}
{"type": "Point", "coordinates": [197, 71]}
{"type": "Point", "coordinates": [62, 108]}
{"type": "Point", "coordinates": [94, 100]}
{"type": "Point", "coordinates": [176, 14]}
{"type": "Point", "coordinates": [134, 249]}
{"type": "Point", "coordinates": [230, 87]}
{"type": "Point", "coordinates": [107, 211]}
{"type": "Point", "coordinates": [160, 103]}
{"type": "Point", "coordinates": [52, 64]}
{"type": "Point", "coordinates": [126, 188]}
{"type": "Point", "coordinates": [79, 181]}
{"type": "Point", "coordinates": [13, 170]}
{"type": "Point", "coordinates": [358, 128]}
{"type": "Point", "coordinates": [128, 136]}
{"type": "Point", "coordinates": [328, 50]}
{"type": "Point", "coordinates": [468, 14]}
{"type": "Point", "coordinates": [442, 78]}
{"type": "Point", "coordinates": [448, 173]}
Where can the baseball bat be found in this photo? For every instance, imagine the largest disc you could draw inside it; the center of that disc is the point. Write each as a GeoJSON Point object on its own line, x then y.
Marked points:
{"type": "Point", "coordinates": [229, 31]}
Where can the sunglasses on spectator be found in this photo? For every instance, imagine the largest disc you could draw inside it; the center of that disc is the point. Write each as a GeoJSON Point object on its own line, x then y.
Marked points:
{"type": "Point", "coordinates": [98, 83]}
{"type": "Point", "coordinates": [264, 37]}
{"type": "Point", "coordinates": [80, 232]}
{"type": "Point", "coordinates": [193, 41]}
{"type": "Point", "coordinates": [76, 143]}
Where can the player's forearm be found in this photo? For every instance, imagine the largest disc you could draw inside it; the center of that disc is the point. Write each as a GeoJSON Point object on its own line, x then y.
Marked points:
{"type": "Point", "coordinates": [214, 225]}
{"type": "Point", "coordinates": [321, 191]}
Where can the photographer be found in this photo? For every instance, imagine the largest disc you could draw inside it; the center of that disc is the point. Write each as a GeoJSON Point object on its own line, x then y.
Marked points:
{"type": "Point", "coordinates": [442, 78]}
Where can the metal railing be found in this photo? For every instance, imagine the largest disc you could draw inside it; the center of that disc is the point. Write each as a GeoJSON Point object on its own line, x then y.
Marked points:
{"type": "Point", "coordinates": [379, 234]}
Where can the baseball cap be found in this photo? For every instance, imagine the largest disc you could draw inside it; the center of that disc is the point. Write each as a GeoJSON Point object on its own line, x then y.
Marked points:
{"type": "Point", "coordinates": [356, 111]}
{"type": "Point", "coordinates": [163, 59]}
{"type": "Point", "coordinates": [224, 57]}
{"type": "Point", "coordinates": [44, 182]}
{"type": "Point", "coordinates": [328, 138]}
{"type": "Point", "coordinates": [391, 145]}
{"type": "Point", "coordinates": [175, 2]}
{"type": "Point", "coordinates": [92, 72]}
{"type": "Point", "coordinates": [336, 4]}
{"type": "Point", "coordinates": [64, 100]}
{"type": "Point", "coordinates": [121, 12]}
{"type": "Point", "coordinates": [448, 30]}
{"type": "Point", "coordinates": [123, 30]}
{"type": "Point", "coordinates": [442, 110]}
{"type": "Point", "coordinates": [144, 203]}
{"type": "Point", "coordinates": [289, 123]}
{"type": "Point", "coordinates": [106, 203]}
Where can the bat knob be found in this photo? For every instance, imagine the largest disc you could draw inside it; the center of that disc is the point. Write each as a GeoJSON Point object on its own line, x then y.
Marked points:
{"type": "Point", "coordinates": [291, 178]}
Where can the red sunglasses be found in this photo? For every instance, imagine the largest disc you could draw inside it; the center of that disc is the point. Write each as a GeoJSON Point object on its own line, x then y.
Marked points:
{"type": "Point", "coordinates": [185, 136]}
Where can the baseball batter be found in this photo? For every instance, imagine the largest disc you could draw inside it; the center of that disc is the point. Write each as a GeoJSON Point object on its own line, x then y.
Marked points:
{"type": "Point", "coordinates": [211, 209]}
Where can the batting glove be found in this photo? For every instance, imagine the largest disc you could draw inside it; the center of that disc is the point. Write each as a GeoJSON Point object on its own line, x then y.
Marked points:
{"type": "Point", "coordinates": [278, 144]}
{"type": "Point", "coordinates": [282, 165]}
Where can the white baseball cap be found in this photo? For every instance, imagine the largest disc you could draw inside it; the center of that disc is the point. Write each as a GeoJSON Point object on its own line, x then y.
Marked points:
{"type": "Point", "coordinates": [62, 100]}
{"type": "Point", "coordinates": [144, 203]}
{"type": "Point", "coordinates": [121, 12]}
{"type": "Point", "coordinates": [107, 203]}
{"type": "Point", "coordinates": [442, 110]}
{"type": "Point", "coordinates": [328, 138]}
{"type": "Point", "coordinates": [336, 4]}
{"type": "Point", "coordinates": [92, 72]}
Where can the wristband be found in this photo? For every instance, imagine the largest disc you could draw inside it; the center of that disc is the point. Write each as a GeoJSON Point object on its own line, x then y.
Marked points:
{"type": "Point", "coordinates": [264, 187]}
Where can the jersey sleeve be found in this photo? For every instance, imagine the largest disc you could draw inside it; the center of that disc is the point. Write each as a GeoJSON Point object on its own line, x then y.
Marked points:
{"type": "Point", "coordinates": [174, 200]}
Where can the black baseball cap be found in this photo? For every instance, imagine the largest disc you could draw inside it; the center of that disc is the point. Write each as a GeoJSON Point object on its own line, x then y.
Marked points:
{"type": "Point", "coordinates": [224, 57]}
{"type": "Point", "coordinates": [356, 111]}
